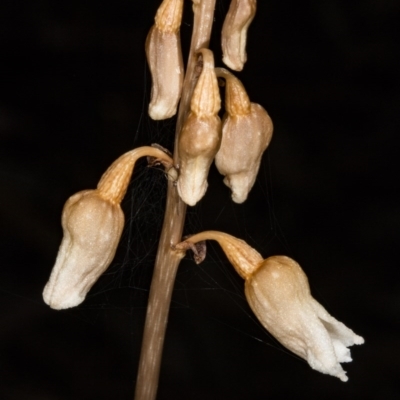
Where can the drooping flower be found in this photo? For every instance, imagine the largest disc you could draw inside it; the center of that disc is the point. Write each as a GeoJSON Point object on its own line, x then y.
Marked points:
{"type": "Point", "coordinates": [92, 222]}
{"type": "Point", "coordinates": [279, 295]}
{"type": "Point", "coordinates": [234, 32]}
{"type": "Point", "coordinates": [92, 228]}
{"type": "Point", "coordinates": [164, 56]}
{"type": "Point", "coordinates": [278, 292]}
{"type": "Point", "coordinates": [246, 133]}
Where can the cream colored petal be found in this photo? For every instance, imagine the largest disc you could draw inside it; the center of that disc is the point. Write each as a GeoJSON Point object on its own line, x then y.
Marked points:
{"type": "Point", "coordinates": [336, 329]}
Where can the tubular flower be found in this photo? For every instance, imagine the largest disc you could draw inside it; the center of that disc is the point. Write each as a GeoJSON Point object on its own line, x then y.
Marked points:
{"type": "Point", "coordinates": [164, 56]}
{"type": "Point", "coordinates": [200, 137]}
{"type": "Point", "coordinates": [92, 222]}
{"type": "Point", "coordinates": [279, 295]}
{"type": "Point", "coordinates": [278, 292]}
{"type": "Point", "coordinates": [234, 32]}
{"type": "Point", "coordinates": [246, 133]}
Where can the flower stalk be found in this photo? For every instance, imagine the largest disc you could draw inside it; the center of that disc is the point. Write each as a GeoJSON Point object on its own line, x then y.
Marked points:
{"type": "Point", "coordinates": [167, 260]}
{"type": "Point", "coordinates": [243, 258]}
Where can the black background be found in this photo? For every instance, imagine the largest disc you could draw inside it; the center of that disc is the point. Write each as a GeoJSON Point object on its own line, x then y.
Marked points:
{"type": "Point", "coordinates": [73, 87]}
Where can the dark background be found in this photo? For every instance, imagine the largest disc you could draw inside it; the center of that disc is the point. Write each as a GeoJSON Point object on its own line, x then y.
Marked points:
{"type": "Point", "coordinates": [74, 85]}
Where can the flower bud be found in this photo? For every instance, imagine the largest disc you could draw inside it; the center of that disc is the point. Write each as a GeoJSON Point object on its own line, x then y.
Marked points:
{"type": "Point", "coordinates": [279, 295]}
{"type": "Point", "coordinates": [246, 133]}
{"type": "Point", "coordinates": [200, 137]}
{"type": "Point", "coordinates": [234, 32]}
{"type": "Point", "coordinates": [92, 222]}
{"type": "Point", "coordinates": [164, 56]}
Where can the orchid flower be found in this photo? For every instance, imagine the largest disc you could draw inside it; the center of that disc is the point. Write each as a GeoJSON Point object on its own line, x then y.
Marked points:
{"type": "Point", "coordinates": [278, 292]}
{"type": "Point", "coordinates": [92, 222]}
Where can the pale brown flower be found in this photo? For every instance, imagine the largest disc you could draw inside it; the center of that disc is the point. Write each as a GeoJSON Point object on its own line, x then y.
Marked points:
{"type": "Point", "coordinates": [279, 295]}
{"type": "Point", "coordinates": [200, 137]}
{"type": "Point", "coordinates": [278, 292]}
{"type": "Point", "coordinates": [246, 133]}
{"type": "Point", "coordinates": [164, 56]}
{"type": "Point", "coordinates": [234, 32]}
{"type": "Point", "coordinates": [92, 228]}
{"type": "Point", "coordinates": [92, 222]}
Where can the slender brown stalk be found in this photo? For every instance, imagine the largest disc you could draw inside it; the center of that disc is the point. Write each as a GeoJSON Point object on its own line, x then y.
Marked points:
{"type": "Point", "coordinates": [243, 258]}
{"type": "Point", "coordinates": [167, 260]}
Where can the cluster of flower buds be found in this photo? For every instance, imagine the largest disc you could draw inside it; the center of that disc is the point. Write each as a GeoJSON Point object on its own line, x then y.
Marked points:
{"type": "Point", "coordinates": [200, 137]}
{"type": "Point", "coordinates": [247, 127]}
{"type": "Point", "coordinates": [234, 32]}
{"type": "Point", "coordinates": [278, 292]}
{"type": "Point", "coordinates": [246, 133]}
{"type": "Point", "coordinates": [92, 222]}
{"type": "Point", "coordinates": [164, 56]}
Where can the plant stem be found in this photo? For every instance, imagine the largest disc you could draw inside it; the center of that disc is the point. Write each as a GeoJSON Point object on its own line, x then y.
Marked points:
{"type": "Point", "coordinates": [167, 260]}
